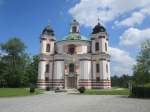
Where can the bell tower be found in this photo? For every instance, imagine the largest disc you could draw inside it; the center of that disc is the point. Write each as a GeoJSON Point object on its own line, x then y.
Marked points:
{"type": "Point", "coordinates": [47, 42]}
{"type": "Point", "coordinates": [74, 27]}
{"type": "Point", "coordinates": [101, 57]}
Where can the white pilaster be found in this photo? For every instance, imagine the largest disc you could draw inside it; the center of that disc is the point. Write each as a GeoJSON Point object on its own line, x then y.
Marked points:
{"type": "Point", "coordinates": [41, 70]}
{"type": "Point", "coordinates": [59, 70]}
{"type": "Point", "coordinates": [85, 69]}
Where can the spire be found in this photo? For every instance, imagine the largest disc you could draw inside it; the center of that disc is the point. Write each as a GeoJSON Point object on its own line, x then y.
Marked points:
{"type": "Point", "coordinates": [99, 21]}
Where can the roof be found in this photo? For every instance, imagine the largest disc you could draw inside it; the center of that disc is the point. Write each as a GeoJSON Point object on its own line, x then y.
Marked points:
{"type": "Point", "coordinates": [48, 31]}
{"type": "Point", "coordinates": [98, 28]}
{"type": "Point", "coordinates": [74, 36]}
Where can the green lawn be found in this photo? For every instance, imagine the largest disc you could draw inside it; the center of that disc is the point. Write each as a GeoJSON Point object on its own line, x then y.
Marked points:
{"type": "Point", "coordinates": [112, 91]}
{"type": "Point", "coordinates": [10, 92]}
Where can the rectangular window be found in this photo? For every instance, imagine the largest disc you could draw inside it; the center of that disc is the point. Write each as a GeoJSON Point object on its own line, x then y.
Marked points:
{"type": "Point", "coordinates": [97, 68]}
{"type": "Point", "coordinates": [97, 46]}
{"type": "Point", "coordinates": [105, 46]}
{"type": "Point", "coordinates": [107, 68]}
{"type": "Point", "coordinates": [47, 68]}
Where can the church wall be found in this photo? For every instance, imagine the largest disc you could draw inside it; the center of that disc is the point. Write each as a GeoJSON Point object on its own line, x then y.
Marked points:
{"type": "Point", "coordinates": [94, 70]}
{"type": "Point", "coordinates": [52, 45]}
{"type": "Point", "coordinates": [85, 70]}
{"type": "Point", "coordinates": [87, 75]}
{"type": "Point", "coordinates": [43, 46]}
{"type": "Point", "coordinates": [50, 70]}
{"type": "Point", "coordinates": [108, 70]}
{"type": "Point", "coordinates": [81, 47]}
{"type": "Point", "coordinates": [84, 49]}
{"type": "Point", "coordinates": [59, 70]}
{"type": "Point", "coordinates": [104, 75]}
{"type": "Point", "coordinates": [93, 46]}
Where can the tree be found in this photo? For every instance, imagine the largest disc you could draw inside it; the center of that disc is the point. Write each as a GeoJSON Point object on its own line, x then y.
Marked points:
{"type": "Point", "coordinates": [121, 81]}
{"type": "Point", "coordinates": [14, 62]}
{"type": "Point", "coordinates": [142, 68]}
{"type": "Point", "coordinates": [32, 69]}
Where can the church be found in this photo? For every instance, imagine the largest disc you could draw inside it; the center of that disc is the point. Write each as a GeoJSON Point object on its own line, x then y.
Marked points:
{"type": "Point", "coordinates": [75, 61]}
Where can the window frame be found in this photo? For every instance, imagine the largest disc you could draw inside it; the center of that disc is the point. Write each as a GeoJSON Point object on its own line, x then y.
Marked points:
{"type": "Point", "coordinates": [106, 46]}
{"type": "Point", "coordinates": [97, 68]}
{"type": "Point", "coordinates": [96, 46]}
{"type": "Point", "coordinates": [48, 47]}
{"type": "Point", "coordinates": [47, 68]}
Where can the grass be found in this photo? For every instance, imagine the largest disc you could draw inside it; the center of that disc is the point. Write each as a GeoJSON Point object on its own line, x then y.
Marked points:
{"type": "Point", "coordinates": [11, 92]}
{"type": "Point", "coordinates": [112, 91]}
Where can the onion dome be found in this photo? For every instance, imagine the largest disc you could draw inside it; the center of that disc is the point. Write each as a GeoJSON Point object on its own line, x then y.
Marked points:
{"type": "Point", "coordinates": [48, 31]}
{"type": "Point", "coordinates": [98, 28]}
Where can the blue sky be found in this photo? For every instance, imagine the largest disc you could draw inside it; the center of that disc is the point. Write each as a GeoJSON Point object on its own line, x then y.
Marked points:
{"type": "Point", "coordinates": [127, 23]}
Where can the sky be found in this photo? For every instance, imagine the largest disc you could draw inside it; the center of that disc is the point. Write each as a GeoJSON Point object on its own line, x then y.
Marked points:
{"type": "Point", "coordinates": [127, 23]}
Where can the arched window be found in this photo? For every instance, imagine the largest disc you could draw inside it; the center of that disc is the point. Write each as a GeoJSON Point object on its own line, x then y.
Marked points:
{"type": "Point", "coordinates": [97, 46]}
{"type": "Point", "coordinates": [71, 67]}
{"type": "Point", "coordinates": [105, 46]}
{"type": "Point", "coordinates": [71, 49]}
{"type": "Point", "coordinates": [47, 68]}
{"type": "Point", "coordinates": [47, 47]}
{"type": "Point", "coordinates": [74, 29]}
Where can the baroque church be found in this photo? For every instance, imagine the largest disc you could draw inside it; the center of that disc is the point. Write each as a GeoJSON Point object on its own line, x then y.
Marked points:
{"type": "Point", "coordinates": [75, 61]}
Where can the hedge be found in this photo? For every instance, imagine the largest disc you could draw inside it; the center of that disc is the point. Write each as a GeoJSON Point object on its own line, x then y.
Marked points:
{"type": "Point", "coordinates": [140, 92]}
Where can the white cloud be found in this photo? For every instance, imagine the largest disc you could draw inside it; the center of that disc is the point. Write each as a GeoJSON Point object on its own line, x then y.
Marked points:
{"type": "Point", "coordinates": [135, 18]}
{"type": "Point", "coordinates": [134, 37]}
{"type": "Point", "coordinates": [122, 62]}
{"type": "Point", "coordinates": [87, 11]}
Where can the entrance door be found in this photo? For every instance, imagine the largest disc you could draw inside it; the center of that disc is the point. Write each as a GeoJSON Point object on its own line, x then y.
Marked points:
{"type": "Point", "coordinates": [71, 82]}
{"type": "Point", "coordinates": [71, 79]}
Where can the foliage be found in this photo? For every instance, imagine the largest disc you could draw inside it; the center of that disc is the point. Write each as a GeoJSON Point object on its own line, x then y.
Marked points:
{"type": "Point", "coordinates": [14, 62]}
{"type": "Point", "coordinates": [142, 68]}
{"type": "Point", "coordinates": [32, 69]}
{"type": "Point", "coordinates": [147, 85]}
{"type": "Point", "coordinates": [32, 89]}
{"type": "Point", "coordinates": [81, 89]}
{"type": "Point", "coordinates": [121, 81]}
{"type": "Point", "coordinates": [17, 68]}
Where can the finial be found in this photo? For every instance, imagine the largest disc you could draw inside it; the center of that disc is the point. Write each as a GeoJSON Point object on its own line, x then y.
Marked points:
{"type": "Point", "coordinates": [98, 20]}
{"type": "Point", "coordinates": [48, 21]}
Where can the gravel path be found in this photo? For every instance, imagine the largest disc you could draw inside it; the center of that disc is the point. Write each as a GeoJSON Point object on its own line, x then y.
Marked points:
{"type": "Point", "coordinates": [61, 102]}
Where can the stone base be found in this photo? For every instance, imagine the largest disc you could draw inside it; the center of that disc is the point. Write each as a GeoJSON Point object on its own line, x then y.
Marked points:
{"type": "Point", "coordinates": [88, 84]}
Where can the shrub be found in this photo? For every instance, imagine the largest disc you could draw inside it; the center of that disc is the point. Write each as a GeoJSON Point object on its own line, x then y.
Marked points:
{"type": "Point", "coordinates": [147, 85]}
{"type": "Point", "coordinates": [32, 88]}
{"type": "Point", "coordinates": [140, 92]}
{"type": "Point", "coordinates": [81, 89]}
{"type": "Point", "coordinates": [47, 88]}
